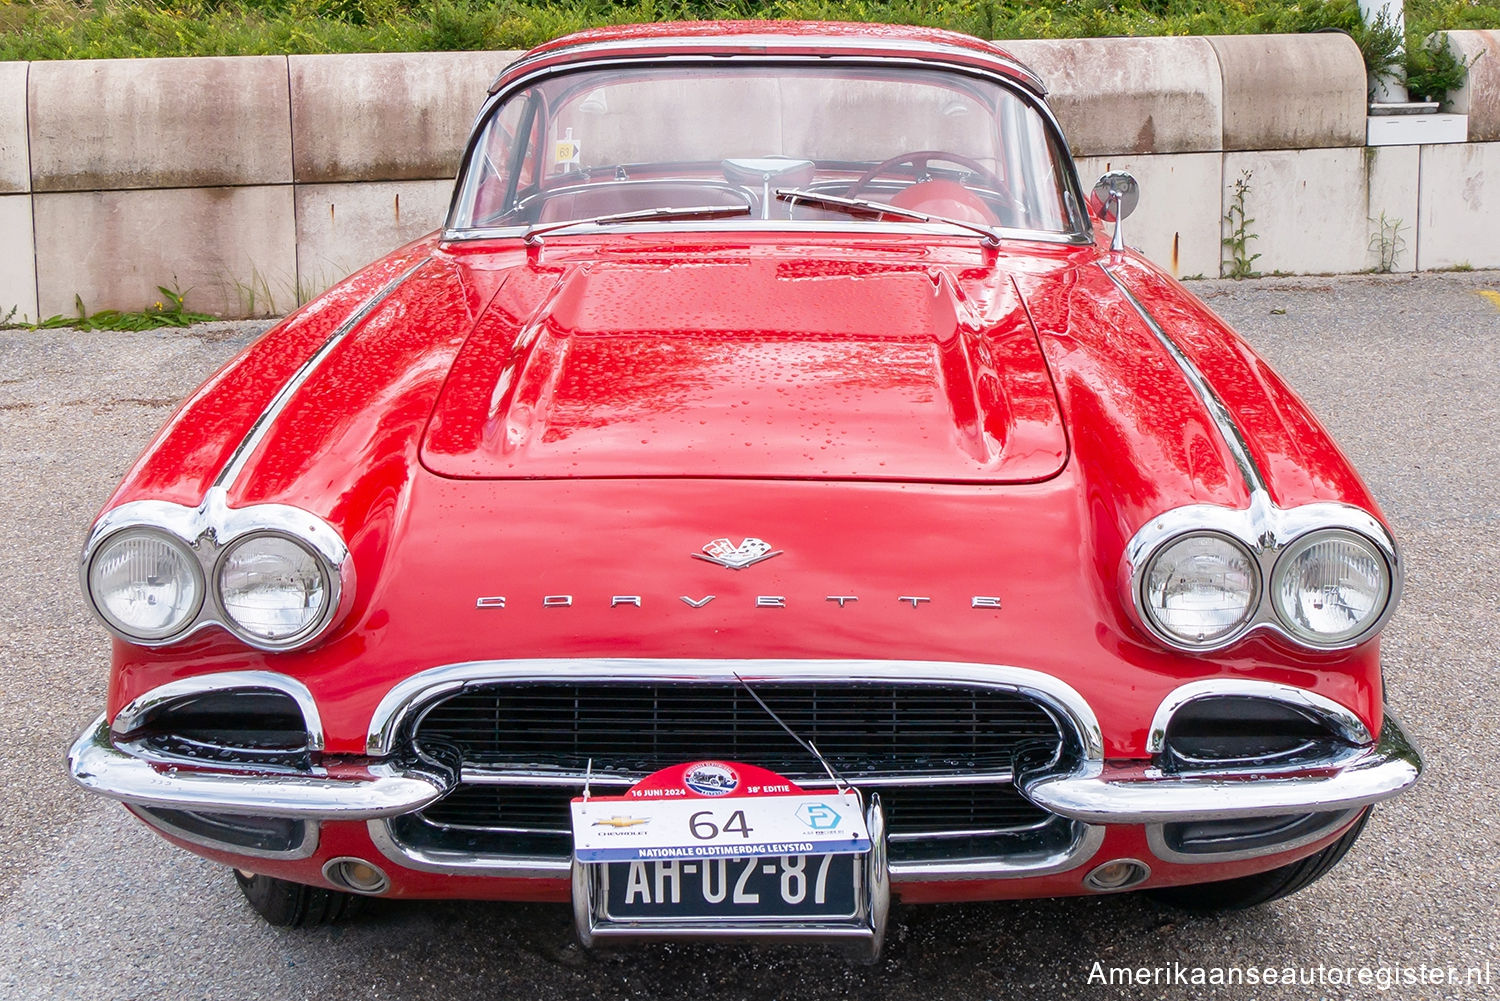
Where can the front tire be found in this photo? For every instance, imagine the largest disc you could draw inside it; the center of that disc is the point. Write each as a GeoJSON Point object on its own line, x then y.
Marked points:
{"type": "Point", "coordinates": [285, 904]}
{"type": "Point", "coordinates": [1263, 887]}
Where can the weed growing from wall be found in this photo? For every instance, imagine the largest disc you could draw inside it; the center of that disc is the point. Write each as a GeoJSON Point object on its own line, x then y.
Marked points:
{"type": "Point", "coordinates": [1241, 263]}
{"type": "Point", "coordinates": [1388, 242]}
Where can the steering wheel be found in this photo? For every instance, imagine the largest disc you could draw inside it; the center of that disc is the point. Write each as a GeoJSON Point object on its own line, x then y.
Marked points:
{"type": "Point", "coordinates": [920, 159]}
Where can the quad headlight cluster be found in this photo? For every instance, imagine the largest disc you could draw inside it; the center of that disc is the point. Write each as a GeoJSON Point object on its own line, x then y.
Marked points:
{"type": "Point", "coordinates": [274, 576]}
{"type": "Point", "coordinates": [1324, 575]}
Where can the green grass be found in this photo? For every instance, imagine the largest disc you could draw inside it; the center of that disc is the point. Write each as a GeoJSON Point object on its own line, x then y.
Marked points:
{"type": "Point", "coordinates": [168, 311]}
{"type": "Point", "coordinates": [79, 29]}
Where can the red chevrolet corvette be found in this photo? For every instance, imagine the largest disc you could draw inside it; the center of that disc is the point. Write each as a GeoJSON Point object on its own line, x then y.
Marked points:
{"type": "Point", "coordinates": [773, 491]}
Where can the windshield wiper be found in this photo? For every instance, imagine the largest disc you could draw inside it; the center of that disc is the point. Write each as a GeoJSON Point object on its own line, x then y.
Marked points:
{"type": "Point", "coordinates": [991, 238]}
{"type": "Point", "coordinates": [640, 215]}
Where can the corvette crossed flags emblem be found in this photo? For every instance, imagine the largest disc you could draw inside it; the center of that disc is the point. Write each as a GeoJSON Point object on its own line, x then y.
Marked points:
{"type": "Point", "coordinates": [725, 554]}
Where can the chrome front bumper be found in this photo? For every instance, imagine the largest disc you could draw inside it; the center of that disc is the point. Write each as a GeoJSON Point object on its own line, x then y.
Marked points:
{"type": "Point", "coordinates": [1095, 793]}
{"type": "Point", "coordinates": [356, 792]}
{"type": "Point", "coordinates": [1142, 795]}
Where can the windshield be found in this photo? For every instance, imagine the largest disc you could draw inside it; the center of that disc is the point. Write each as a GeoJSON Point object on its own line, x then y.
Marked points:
{"type": "Point", "coordinates": [721, 140]}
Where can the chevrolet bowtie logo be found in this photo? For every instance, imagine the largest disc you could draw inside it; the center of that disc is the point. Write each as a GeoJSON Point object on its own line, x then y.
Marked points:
{"type": "Point", "coordinates": [722, 552]}
{"type": "Point", "coordinates": [622, 822]}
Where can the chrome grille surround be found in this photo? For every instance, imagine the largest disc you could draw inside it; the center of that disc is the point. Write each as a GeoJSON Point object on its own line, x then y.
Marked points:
{"type": "Point", "coordinates": [1029, 844]}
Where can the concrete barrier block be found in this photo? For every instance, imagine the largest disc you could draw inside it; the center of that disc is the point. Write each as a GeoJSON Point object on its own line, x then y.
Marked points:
{"type": "Point", "coordinates": [17, 261]}
{"type": "Point", "coordinates": [1177, 223]}
{"type": "Point", "coordinates": [224, 247]}
{"type": "Point", "coordinates": [15, 165]}
{"type": "Point", "coordinates": [395, 116]}
{"type": "Point", "coordinates": [1480, 96]}
{"type": "Point", "coordinates": [1392, 211]}
{"type": "Point", "coordinates": [1292, 91]}
{"type": "Point", "coordinates": [1309, 209]}
{"type": "Point", "coordinates": [343, 227]}
{"type": "Point", "coordinates": [1460, 202]}
{"type": "Point", "coordinates": [1131, 95]}
{"type": "Point", "coordinates": [159, 123]}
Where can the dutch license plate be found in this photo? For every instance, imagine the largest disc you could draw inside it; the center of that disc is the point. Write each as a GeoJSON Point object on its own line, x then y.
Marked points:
{"type": "Point", "coordinates": [763, 888]}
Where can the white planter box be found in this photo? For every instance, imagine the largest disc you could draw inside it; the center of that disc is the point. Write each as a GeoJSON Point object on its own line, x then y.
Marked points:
{"type": "Point", "coordinates": [1415, 130]}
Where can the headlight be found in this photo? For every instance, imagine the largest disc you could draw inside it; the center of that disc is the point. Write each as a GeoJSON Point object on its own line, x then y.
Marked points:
{"type": "Point", "coordinates": [272, 588]}
{"type": "Point", "coordinates": [1200, 589]}
{"type": "Point", "coordinates": [145, 584]}
{"type": "Point", "coordinates": [1329, 587]}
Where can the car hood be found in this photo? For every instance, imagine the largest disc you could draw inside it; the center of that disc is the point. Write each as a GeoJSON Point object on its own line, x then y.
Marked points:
{"type": "Point", "coordinates": [758, 367]}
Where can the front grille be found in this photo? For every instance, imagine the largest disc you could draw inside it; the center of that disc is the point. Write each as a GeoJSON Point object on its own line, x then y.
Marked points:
{"type": "Point", "coordinates": [910, 811]}
{"type": "Point", "coordinates": [884, 729]}
{"type": "Point", "coordinates": [895, 737]}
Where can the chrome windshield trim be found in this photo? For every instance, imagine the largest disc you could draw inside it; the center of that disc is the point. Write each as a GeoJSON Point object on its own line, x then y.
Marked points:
{"type": "Point", "coordinates": [1083, 231]}
{"type": "Point", "coordinates": [1234, 438]}
{"type": "Point", "coordinates": [356, 793]}
{"type": "Point", "coordinates": [305, 848]}
{"type": "Point", "coordinates": [1139, 796]}
{"type": "Point", "coordinates": [1071, 710]}
{"type": "Point", "coordinates": [1348, 725]}
{"type": "Point", "coordinates": [799, 227]}
{"type": "Point", "coordinates": [134, 715]}
{"type": "Point", "coordinates": [262, 426]}
{"type": "Point", "coordinates": [208, 531]}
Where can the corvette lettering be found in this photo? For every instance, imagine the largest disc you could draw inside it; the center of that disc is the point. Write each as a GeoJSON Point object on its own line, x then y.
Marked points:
{"type": "Point", "coordinates": [499, 601]}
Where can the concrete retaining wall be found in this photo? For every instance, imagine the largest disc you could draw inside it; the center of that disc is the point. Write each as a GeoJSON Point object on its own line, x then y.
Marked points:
{"type": "Point", "coordinates": [1287, 114]}
{"type": "Point", "coordinates": [248, 182]}
{"type": "Point", "coordinates": [253, 182]}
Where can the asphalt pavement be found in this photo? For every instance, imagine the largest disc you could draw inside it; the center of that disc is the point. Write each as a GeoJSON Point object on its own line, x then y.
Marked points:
{"type": "Point", "coordinates": [1404, 370]}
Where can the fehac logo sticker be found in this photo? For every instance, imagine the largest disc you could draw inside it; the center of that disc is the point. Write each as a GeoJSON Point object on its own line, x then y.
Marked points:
{"type": "Point", "coordinates": [711, 778]}
{"type": "Point", "coordinates": [818, 816]}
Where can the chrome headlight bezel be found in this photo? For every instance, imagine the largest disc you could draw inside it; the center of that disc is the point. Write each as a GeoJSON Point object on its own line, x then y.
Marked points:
{"type": "Point", "coordinates": [209, 531]}
{"type": "Point", "coordinates": [1267, 533]}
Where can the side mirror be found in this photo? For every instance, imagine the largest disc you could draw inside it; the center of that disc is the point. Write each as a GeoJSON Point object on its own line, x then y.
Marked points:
{"type": "Point", "coordinates": [1114, 197]}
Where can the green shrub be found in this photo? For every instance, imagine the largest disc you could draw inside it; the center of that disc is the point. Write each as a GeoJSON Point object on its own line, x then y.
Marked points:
{"type": "Point", "coordinates": [76, 29]}
{"type": "Point", "coordinates": [1380, 46]}
{"type": "Point", "coordinates": [1432, 70]}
